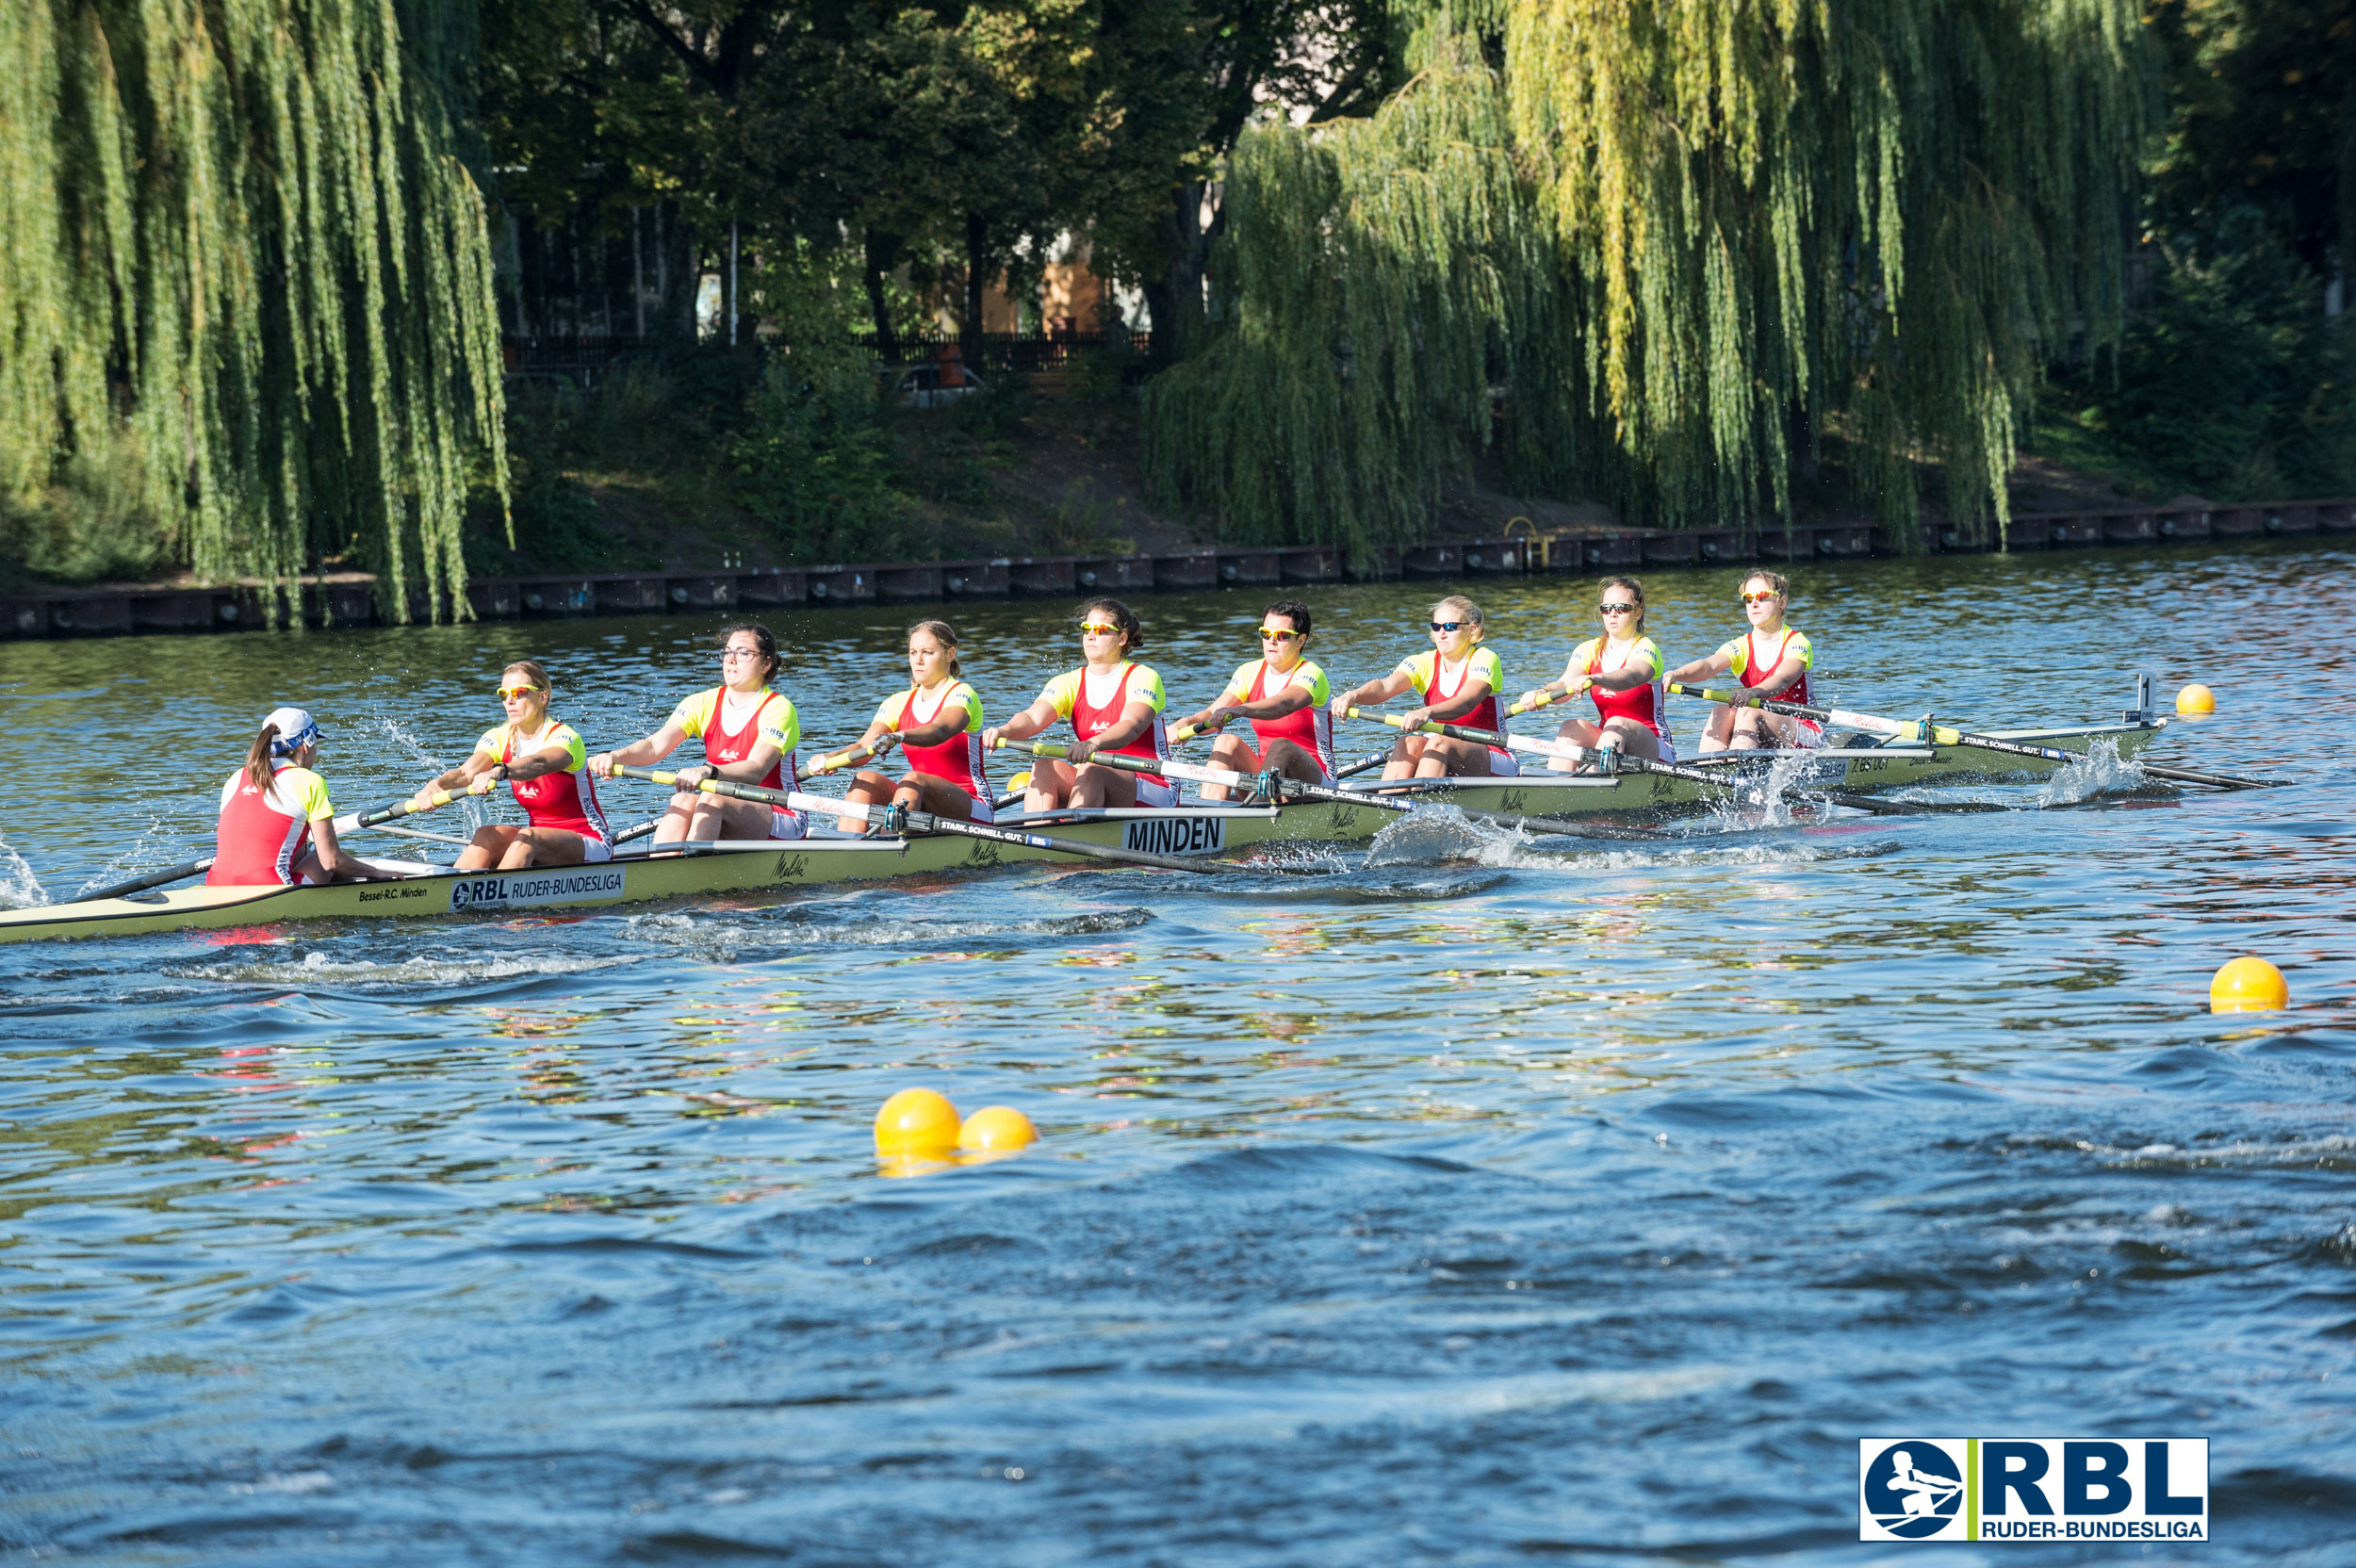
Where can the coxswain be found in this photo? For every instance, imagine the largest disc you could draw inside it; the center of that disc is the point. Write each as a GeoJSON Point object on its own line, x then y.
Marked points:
{"type": "Point", "coordinates": [276, 824]}
{"type": "Point", "coordinates": [1458, 682]}
{"type": "Point", "coordinates": [937, 724]}
{"type": "Point", "coordinates": [544, 762]}
{"type": "Point", "coordinates": [1771, 659]}
{"type": "Point", "coordinates": [1114, 704]}
{"type": "Point", "coordinates": [748, 732]}
{"type": "Point", "coordinates": [1622, 670]}
{"type": "Point", "coordinates": [1284, 694]}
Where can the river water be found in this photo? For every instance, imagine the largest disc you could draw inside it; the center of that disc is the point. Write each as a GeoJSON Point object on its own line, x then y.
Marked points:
{"type": "Point", "coordinates": [1475, 1200]}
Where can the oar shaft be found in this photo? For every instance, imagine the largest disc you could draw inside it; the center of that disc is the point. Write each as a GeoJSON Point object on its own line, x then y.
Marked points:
{"type": "Point", "coordinates": [1874, 724]}
{"type": "Point", "coordinates": [393, 814]}
{"type": "Point", "coordinates": [140, 884]}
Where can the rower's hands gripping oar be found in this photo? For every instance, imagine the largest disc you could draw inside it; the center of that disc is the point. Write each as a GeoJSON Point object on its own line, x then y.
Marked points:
{"type": "Point", "coordinates": [424, 800]}
{"type": "Point", "coordinates": [892, 818]}
{"type": "Point", "coordinates": [1280, 788]}
{"type": "Point", "coordinates": [1540, 698]}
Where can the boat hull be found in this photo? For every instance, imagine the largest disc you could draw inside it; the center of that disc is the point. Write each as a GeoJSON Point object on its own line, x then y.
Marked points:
{"type": "Point", "coordinates": [646, 877]}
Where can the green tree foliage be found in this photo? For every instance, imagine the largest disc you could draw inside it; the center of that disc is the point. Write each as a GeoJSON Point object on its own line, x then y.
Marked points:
{"type": "Point", "coordinates": [244, 286]}
{"type": "Point", "coordinates": [1652, 243]}
{"type": "Point", "coordinates": [2229, 381]}
{"type": "Point", "coordinates": [2262, 115]}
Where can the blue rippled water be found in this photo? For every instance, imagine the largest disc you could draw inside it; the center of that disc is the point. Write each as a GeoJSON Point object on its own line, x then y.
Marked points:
{"type": "Point", "coordinates": [1476, 1199]}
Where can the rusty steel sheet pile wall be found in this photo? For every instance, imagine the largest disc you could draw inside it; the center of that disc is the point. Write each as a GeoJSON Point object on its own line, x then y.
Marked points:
{"type": "Point", "coordinates": [354, 598]}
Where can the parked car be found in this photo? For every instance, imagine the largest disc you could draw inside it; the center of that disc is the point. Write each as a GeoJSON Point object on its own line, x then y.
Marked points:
{"type": "Point", "coordinates": [918, 385]}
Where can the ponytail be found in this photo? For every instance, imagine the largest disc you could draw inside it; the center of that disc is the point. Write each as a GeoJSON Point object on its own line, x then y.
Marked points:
{"type": "Point", "coordinates": [257, 768]}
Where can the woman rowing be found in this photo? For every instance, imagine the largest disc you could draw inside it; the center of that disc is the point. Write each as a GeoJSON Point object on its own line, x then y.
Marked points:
{"type": "Point", "coordinates": [276, 824]}
{"type": "Point", "coordinates": [1771, 659]}
{"type": "Point", "coordinates": [937, 724]}
{"type": "Point", "coordinates": [1115, 705]}
{"type": "Point", "coordinates": [749, 734]}
{"type": "Point", "coordinates": [1458, 681]}
{"type": "Point", "coordinates": [544, 762]}
{"type": "Point", "coordinates": [1283, 695]}
{"type": "Point", "coordinates": [1622, 671]}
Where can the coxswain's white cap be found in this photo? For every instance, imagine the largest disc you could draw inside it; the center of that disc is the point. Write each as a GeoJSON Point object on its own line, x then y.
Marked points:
{"type": "Point", "coordinates": [296, 727]}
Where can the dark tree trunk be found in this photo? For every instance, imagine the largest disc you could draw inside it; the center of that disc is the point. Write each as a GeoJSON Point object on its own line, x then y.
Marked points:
{"type": "Point", "coordinates": [881, 252]}
{"type": "Point", "coordinates": [1805, 457]}
{"type": "Point", "coordinates": [1173, 301]}
{"type": "Point", "coordinates": [676, 275]}
{"type": "Point", "coordinates": [977, 273]}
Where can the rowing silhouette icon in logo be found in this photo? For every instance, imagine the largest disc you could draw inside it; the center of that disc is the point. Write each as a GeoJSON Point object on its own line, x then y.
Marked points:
{"type": "Point", "coordinates": [1913, 1489]}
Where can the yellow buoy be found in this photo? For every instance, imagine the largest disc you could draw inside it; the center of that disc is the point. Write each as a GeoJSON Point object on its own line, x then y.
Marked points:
{"type": "Point", "coordinates": [996, 1130]}
{"type": "Point", "coordinates": [2248, 986]}
{"type": "Point", "coordinates": [918, 1124]}
{"type": "Point", "coordinates": [2196, 698]}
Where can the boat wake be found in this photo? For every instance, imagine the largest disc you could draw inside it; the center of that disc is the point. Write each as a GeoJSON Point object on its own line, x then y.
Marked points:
{"type": "Point", "coordinates": [1443, 835]}
{"type": "Point", "coordinates": [827, 925]}
{"type": "Point", "coordinates": [316, 968]}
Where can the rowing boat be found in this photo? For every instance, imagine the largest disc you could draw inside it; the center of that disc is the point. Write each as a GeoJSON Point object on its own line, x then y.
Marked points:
{"type": "Point", "coordinates": [749, 866]}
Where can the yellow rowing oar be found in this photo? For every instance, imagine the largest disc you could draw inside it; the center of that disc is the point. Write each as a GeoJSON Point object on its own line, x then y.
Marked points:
{"type": "Point", "coordinates": [1938, 734]}
{"type": "Point", "coordinates": [894, 819]}
{"type": "Point", "coordinates": [1750, 794]}
{"type": "Point", "coordinates": [852, 755]}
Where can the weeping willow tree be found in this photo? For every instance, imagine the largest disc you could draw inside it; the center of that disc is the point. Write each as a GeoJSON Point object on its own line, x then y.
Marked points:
{"type": "Point", "coordinates": [1659, 249]}
{"type": "Point", "coordinates": [245, 277]}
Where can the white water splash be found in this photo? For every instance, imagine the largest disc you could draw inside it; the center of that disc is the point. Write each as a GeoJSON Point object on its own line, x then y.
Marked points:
{"type": "Point", "coordinates": [19, 888]}
{"type": "Point", "coordinates": [2100, 771]}
{"type": "Point", "coordinates": [134, 858]}
{"type": "Point", "coordinates": [1785, 771]}
{"type": "Point", "coordinates": [473, 810]}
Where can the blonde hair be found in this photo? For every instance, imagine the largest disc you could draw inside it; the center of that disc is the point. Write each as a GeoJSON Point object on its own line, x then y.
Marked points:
{"type": "Point", "coordinates": [1465, 609]}
{"type": "Point", "coordinates": [532, 672]}
{"type": "Point", "coordinates": [1775, 582]}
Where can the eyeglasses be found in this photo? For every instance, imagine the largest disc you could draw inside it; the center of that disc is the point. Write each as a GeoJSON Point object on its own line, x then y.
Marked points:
{"type": "Point", "coordinates": [1449, 626]}
{"type": "Point", "coordinates": [1279, 635]}
{"type": "Point", "coordinates": [1759, 598]}
{"type": "Point", "coordinates": [508, 694]}
{"type": "Point", "coordinates": [1618, 608]}
{"type": "Point", "coordinates": [1097, 628]}
{"type": "Point", "coordinates": [727, 654]}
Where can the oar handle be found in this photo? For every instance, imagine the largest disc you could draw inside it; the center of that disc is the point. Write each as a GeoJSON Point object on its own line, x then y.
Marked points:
{"type": "Point", "coordinates": [851, 756]}
{"type": "Point", "coordinates": [1434, 726]}
{"type": "Point", "coordinates": [1872, 723]}
{"type": "Point", "coordinates": [394, 813]}
{"type": "Point", "coordinates": [1548, 699]}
